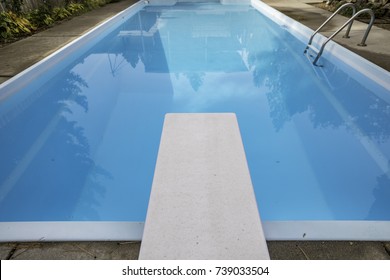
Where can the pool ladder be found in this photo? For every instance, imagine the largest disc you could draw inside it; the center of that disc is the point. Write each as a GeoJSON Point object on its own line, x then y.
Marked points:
{"type": "Point", "coordinates": [348, 22]}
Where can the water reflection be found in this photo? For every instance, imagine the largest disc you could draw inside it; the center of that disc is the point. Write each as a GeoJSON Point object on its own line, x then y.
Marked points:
{"type": "Point", "coordinates": [49, 159]}
{"type": "Point", "coordinates": [339, 128]}
{"type": "Point", "coordinates": [381, 192]}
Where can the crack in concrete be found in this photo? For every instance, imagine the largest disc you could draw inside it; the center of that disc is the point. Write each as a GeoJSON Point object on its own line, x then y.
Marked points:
{"type": "Point", "coordinates": [387, 248]}
{"type": "Point", "coordinates": [12, 252]}
{"type": "Point", "coordinates": [303, 252]}
{"type": "Point", "coordinates": [84, 250]}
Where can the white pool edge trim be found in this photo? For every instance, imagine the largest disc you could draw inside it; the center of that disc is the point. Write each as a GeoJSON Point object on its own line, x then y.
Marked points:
{"type": "Point", "coordinates": [132, 231]}
{"type": "Point", "coordinates": [70, 231]}
{"type": "Point", "coordinates": [327, 230]}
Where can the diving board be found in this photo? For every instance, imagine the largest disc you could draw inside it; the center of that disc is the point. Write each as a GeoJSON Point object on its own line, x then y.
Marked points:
{"type": "Point", "coordinates": [202, 204]}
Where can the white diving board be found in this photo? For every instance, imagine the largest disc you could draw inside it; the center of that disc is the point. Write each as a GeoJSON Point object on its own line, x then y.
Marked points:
{"type": "Point", "coordinates": [202, 204]}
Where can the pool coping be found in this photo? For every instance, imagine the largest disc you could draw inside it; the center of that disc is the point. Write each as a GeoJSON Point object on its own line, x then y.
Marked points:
{"type": "Point", "coordinates": [132, 231]}
{"type": "Point", "coordinates": [327, 230]}
{"type": "Point", "coordinates": [70, 231]}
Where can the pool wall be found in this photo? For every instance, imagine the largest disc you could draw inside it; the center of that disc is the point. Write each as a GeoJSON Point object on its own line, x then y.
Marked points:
{"type": "Point", "coordinates": [70, 231]}
{"type": "Point", "coordinates": [327, 230]}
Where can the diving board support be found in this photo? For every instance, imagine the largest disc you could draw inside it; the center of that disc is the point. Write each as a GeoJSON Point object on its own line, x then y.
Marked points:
{"type": "Point", "coordinates": [202, 204]}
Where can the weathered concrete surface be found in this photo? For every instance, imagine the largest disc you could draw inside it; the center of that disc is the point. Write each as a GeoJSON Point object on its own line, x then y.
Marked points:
{"type": "Point", "coordinates": [22, 54]}
{"type": "Point", "coordinates": [3, 79]}
{"type": "Point", "coordinates": [333, 250]}
{"type": "Point", "coordinates": [70, 251]}
{"type": "Point", "coordinates": [279, 250]}
{"type": "Point", "coordinates": [6, 250]}
{"type": "Point", "coordinates": [387, 247]}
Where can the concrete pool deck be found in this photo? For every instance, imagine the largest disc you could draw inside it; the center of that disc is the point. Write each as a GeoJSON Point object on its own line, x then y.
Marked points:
{"type": "Point", "coordinates": [18, 56]}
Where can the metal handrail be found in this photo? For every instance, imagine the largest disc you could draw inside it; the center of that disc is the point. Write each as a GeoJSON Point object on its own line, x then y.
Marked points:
{"type": "Point", "coordinates": [362, 43]}
{"type": "Point", "coordinates": [346, 5]}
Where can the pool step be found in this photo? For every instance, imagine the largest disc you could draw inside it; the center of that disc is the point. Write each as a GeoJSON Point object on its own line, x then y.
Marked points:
{"type": "Point", "coordinates": [202, 204]}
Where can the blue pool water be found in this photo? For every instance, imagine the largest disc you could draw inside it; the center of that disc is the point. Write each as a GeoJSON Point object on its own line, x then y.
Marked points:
{"type": "Point", "coordinates": [80, 144]}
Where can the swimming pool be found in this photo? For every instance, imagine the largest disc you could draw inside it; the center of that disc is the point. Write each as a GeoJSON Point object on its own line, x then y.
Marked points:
{"type": "Point", "coordinates": [80, 130]}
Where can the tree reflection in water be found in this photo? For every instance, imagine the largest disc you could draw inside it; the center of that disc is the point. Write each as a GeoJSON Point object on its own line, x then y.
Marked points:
{"type": "Point", "coordinates": [53, 161]}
